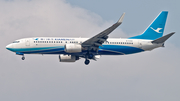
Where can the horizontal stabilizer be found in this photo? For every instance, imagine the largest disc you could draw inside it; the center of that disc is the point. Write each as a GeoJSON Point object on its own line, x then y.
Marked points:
{"type": "Point", "coordinates": [163, 39]}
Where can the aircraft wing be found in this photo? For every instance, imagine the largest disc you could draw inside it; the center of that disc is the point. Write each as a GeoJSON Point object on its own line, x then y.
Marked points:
{"type": "Point", "coordinates": [99, 39]}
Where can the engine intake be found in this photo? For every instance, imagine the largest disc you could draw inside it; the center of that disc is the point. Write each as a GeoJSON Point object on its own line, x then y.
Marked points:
{"type": "Point", "coordinates": [73, 48]}
{"type": "Point", "coordinates": [68, 58]}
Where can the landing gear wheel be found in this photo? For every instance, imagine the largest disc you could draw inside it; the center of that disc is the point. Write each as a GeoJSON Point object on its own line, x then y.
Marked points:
{"type": "Point", "coordinates": [23, 58]}
{"type": "Point", "coordinates": [87, 62]}
{"type": "Point", "coordinates": [90, 56]}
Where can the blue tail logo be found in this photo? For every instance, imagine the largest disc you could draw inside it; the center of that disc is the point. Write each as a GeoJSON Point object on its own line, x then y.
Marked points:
{"type": "Point", "coordinates": [155, 29]}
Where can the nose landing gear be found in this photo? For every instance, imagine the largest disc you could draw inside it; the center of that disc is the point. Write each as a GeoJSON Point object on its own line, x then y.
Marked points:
{"type": "Point", "coordinates": [22, 54]}
{"type": "Point", "coordinates": [23, 58]}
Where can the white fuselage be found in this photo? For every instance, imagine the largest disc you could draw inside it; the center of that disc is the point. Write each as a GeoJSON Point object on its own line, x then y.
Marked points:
{"type": "Point", "coordinates": [49, 45]}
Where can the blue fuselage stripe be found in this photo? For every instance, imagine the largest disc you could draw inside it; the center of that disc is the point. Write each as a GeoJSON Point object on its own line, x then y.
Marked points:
{"type": "Point", "coordinates": [105, 50]}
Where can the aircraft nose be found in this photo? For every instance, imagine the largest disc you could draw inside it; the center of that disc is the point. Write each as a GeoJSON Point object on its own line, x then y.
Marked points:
{"type": "Point", "coordinates": [10, 46]}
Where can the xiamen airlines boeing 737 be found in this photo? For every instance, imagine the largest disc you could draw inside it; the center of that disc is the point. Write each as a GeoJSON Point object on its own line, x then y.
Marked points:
{"type": "Point", "coordinates": [72, 49]}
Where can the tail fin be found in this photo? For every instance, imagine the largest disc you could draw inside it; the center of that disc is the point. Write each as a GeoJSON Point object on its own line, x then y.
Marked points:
{"type": "Point", "coordinates": [155, 29]}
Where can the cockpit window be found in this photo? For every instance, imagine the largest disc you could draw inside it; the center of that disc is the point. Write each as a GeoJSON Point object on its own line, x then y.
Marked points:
{"type": "Point", "coordinates": [16, 41]}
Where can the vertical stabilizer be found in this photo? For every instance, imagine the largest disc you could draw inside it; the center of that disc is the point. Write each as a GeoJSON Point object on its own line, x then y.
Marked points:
{"type": "Point", "coordinates": [155, 29]}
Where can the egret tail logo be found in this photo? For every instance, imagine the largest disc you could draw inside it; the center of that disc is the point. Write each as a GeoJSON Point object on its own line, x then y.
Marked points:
{"type": "Point", "coordinates": [157, 30]}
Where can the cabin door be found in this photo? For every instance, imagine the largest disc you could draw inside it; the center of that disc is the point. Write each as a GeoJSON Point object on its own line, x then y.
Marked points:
{"type": "Point", "coordinates": [27, 42]}
{"type": "Point", "coordinates": [140, 44]}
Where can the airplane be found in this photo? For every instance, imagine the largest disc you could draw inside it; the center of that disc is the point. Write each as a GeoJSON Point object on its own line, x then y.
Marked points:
{"type": "Point", "coordinates": [72, 49]}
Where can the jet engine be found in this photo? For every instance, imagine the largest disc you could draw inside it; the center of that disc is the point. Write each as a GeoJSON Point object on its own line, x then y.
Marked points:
{"type": "Point", "coordinates": [68, 58]}
{"type": "Point", "coordinates": [73, 48]}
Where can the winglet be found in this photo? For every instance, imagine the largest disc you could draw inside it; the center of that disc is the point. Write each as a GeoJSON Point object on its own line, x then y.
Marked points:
{"type": "Point", "coordinates": [163, 39]}
{"type": "Point", "coordinates": [121, 18]}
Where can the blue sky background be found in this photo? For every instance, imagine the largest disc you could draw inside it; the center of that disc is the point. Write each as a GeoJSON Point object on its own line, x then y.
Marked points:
{"type": "Point", "coordinates": [147, 76]}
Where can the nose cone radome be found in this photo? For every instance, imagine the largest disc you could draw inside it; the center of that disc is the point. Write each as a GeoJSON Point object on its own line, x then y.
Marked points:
{"type": "Point", "coordinates": [9, 47]}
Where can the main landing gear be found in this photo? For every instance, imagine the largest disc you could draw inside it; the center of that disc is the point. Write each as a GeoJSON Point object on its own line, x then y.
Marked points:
{"type": "Point", "coordinates": [87, 57]}
{"type": "Point", "coordinates": [86, 61]}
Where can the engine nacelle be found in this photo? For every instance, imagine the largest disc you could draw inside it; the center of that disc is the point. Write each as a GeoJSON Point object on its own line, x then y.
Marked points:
{"type": "Point", "coordinates": [68, 58]}
{"type": "Point", "coordinates": [73, 48]}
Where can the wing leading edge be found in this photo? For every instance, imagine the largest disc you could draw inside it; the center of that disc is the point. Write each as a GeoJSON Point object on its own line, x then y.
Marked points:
{"type": "Point", "coordinates": [97, 40]}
